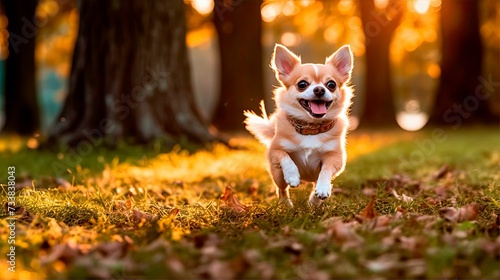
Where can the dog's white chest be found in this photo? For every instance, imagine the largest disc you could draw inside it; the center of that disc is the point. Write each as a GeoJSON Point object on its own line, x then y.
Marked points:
{"type": "Point", "coordinates": [308, 153]}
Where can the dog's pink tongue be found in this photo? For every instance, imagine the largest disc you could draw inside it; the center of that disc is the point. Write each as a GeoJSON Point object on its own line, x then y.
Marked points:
{"type": "Point", "coordinates": [318, 107]}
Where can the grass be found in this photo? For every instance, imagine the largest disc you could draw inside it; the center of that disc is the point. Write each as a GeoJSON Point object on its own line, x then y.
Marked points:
{"type": "Point", "coordinates": [142, 212]}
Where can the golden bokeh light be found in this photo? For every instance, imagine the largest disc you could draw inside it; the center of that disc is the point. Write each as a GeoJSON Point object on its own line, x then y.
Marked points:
{"type": "Point", "coordinates": [381, 4]}
{"type": "Point", "coordinates": [289, 8]}
{"type": "Point", "coordinates": [306, 3]}
{"type": "Point", "coordinates": [433, 70]}
{"type": "Point", "coordinates": [412, 121]}
{"type": "Point", "coordinates": [290, 39]}
{"type": "Point", "coordinates": [345, 7]}
{"type": "Point", "coordinates": [332, 34]}
{"type": "Point", "coordinates": [204, 7]}
{"type": "Point", "coordinates": [421, 6]}
{"type": "Point", "coordinates": [270, 12]}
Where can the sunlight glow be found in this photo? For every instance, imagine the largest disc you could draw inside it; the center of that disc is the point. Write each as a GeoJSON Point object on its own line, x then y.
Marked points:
{"type": "Point", "coordinates": [381, 4]}
{"type": "Point", "coordinates": [333, 32]}
{"type": "Point", "coordinates": [306, 3]}
{"type": "Point", "coordinates": [412, 121]}
{"type": "Point", "coordinates": [289, 39]}
{"type": "Point", "coordinates": [345, 6]}
{"type": "Point", "coordinates": [204, 7]}
{"type": "Point", "coordinates": [289, 8]}
{"type": "Point", "coordinates": [421, 6]}
{"type": "Point", "coordinates": [434, 71]}
{"type": "Point", "coordinates": [436, 3]}
{"type": "Point", "coordinates": [32, 143]}
{"type": "Point", "coordinates": [270, 12]}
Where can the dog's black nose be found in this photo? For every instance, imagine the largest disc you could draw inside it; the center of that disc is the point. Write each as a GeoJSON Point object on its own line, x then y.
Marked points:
{"type": "Point", "coordinates": [319, 91]}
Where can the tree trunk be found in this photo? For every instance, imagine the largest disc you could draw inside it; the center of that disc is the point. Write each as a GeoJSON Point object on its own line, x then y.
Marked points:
{"type": "Point", "coordinates": [21, 106]}
{"type": "Point", "coordinates": [379, 26]}
{"type": "Point", "coordinates": [238, 25]}
{"type": "Point", "coordinates": [130, 76]}
{"type": "Point", "coordinates": [456, 100]}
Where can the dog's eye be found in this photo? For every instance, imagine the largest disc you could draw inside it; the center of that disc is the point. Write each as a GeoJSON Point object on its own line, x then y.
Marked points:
{"type": "Point", "coordinates": [331, 85]}
{"type": "Point", "coordinates": [302, 85]}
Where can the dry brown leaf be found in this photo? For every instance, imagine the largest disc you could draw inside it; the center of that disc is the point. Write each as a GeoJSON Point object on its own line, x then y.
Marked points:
{"type": "Point", "coordinates": [112, 250]}
{"type": "Point", "coordinates": [65, 252]}
{"type": "Point", "coordinates": [62, 184]}
{"type": "Point", "coordinates": [441, 172]}
{"type": "Point", "coordinates": [28, 183]}
{"type": "Point", "coordinates": [402, 197]}
{"type": "Point", "coordinates": [174, 212]}
{"type": "Point", "coordinates": [342, 233]}
{"type": "Point", "coordinates": [383, 263]}
{"type": "Point", "coordinates": [232, 202]}
{"type": "Point", "coordinates": [369, 212]}
{"type": "Point", "coordinates": [330, 221]}
{"type": "Point", "coordinates": [142, 217]}
{"type": "Point", "coordinates": [466, 213]}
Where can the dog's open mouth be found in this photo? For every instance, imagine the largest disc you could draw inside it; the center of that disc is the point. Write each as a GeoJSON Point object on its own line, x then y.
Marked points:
{"type": "Point", "coordinates": [316, 108]}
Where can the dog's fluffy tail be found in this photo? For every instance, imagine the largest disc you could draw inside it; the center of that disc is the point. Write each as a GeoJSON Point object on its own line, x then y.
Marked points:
{"type": "Point", "coordinates": [261, 127]}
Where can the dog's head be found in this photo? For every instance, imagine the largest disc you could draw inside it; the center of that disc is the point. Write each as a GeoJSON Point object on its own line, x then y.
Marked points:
{"type": "Point", "coordinates": [313, 91]}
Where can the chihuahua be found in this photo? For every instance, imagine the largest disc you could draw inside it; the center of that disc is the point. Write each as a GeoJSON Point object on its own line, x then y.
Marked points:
{"type": "Point", "coordinates": [306, 135]}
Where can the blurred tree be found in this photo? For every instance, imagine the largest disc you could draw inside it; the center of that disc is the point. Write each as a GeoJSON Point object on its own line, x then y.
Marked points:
{"type": "Point", "coordinates": [462, 53]}
{"type": "Point", "coordinates": [238, 25]}
{"type": "Point", "coordinates": [21, 107]}
{"type": "Point", "coordinates": [379, 24]}
{"type": "Point", "coordinates": [130, 76]}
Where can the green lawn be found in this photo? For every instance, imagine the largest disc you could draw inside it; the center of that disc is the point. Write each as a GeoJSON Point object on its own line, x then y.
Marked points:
{"type": "Point", "coordinates": [142, 212]}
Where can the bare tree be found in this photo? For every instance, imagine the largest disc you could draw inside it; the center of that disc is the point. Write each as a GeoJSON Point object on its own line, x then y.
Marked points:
{"type": "Point", "coordinates": [21, 106]}
{"type": "Point", "coordinates": [462, 53]}
{"type": "Point", "coordinates": [130, 76]}
{"type": "Point", "coordinates": [238, 25]}
{"type": "Point", "coordinates": [379, 26]}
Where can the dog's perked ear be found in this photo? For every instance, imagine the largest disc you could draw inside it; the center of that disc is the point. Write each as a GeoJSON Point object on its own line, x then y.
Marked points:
{"type": "Point", "coordinates": [342, 60]}
{"type": "Point", "coordinates": [283, 61]}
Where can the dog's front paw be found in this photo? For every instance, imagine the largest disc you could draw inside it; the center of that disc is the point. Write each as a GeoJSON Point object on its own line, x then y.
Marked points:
{"type": "Point", "coordinates": [293, 180]}
{"type": "Point", "coordinates": [323, 190]}
{"type": "Point", "coordinates": [286, 201]}
{"type": "Point", "coordinates": [314, 201]}
{"type": "Point", "coordinates": [291, 173]}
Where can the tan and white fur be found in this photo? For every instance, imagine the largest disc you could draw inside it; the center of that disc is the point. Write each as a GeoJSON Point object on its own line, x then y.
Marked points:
{"type": "Point", "coordinates": [294, 157]}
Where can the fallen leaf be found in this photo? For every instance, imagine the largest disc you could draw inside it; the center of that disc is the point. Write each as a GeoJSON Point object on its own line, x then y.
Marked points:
{"type": "Point", "coordinates": [66, 252]}
{"type": "Point", "coordinates": [294, 248]}
{"type": "Point", "coordinates": [343, 233]}
{"type": "Point", "coordinates": [232, 202]}
{"type": "Point", "coordinates": [112, 250]}
{"type": "Point", "coordinates": [466, 213]}
{"type": "Point", "coordinates": [492, 248]}
{"type": "Point", "coordinates": [28, 183]}
{"type": "Point", "coordinates": [402, 197]}
{"type": "Point", "coordinates": [318, 275]}
{"type": "Point", "coordinates": [441, 172]}
{"type": "Point", "coordinates": [62, 184]}
{"type": "Point", "coordinates": [330, 221]}
{"type": "Point", "coordinates": [142, 217]}
{"type": "Point", "coordinates": [383, 263]}
{"type": "Point", "coordinates": [369, 212]}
